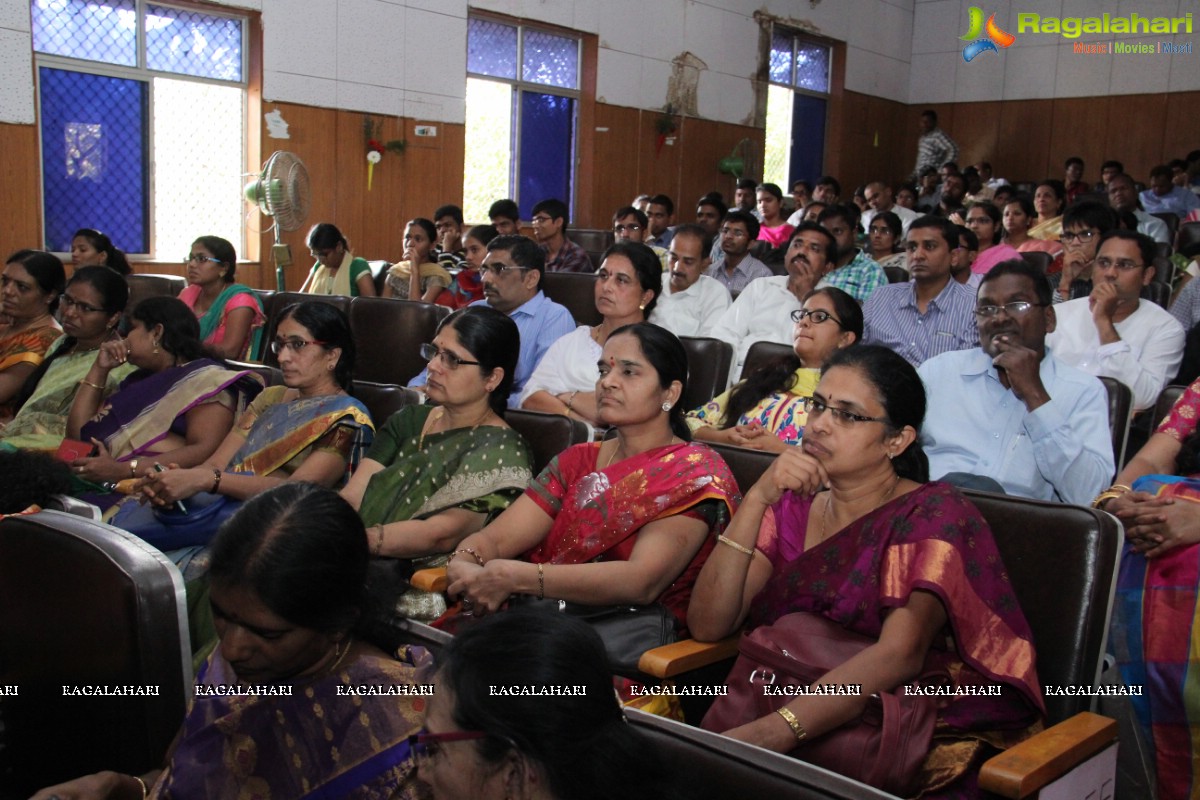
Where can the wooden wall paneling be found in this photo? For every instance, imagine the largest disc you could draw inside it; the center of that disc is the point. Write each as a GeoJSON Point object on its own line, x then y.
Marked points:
{"type": "Point", "coordinates": [20, 175]}
{"type": "Point", "coordinates": [1180, 135]}
{"type": "Point", "coordinates": [1079, 128]}
{"type": "Point", "coordinates": [386, 212]}
{"type": "Point", "coordinates": [658, 171]}
{"type": "Point", "coordinates": [1024, 141]}
{"type": "Point", "coordinates": [1135, 132]}
{"type": "Point", "coordinates": [977, 130]}
{"type": "Point", "coordinates": [847, 143]}
{"type": "Point", "coordinates": [704, 144]}
{"type": "Point", "coordinates": [612, 163]}
{"type": "Point", "coordinates": [349, 182]}
{"type": "Point", "coordinates": [585, 139]}
{"type": "Point", "coordinates": [884, 139]}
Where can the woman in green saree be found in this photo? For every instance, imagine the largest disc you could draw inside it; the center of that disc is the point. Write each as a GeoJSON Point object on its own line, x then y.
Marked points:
{"type": "Point", "coordinates": [436, 475]}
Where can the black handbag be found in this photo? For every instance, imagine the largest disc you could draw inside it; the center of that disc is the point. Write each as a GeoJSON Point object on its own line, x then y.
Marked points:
{"type": "Point", "coordinates": [626, 630]}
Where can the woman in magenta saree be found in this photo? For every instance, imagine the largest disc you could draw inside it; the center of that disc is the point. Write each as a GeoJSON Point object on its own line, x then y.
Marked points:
{"type": "Point", "coordinates": [909, 565]}
{"type": "Point", "coordinates": [1155, 629]}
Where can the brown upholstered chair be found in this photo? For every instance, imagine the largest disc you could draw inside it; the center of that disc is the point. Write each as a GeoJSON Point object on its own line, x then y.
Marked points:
{"type": "Point", "coordinates": [1166, 400]}
{"type": "Point", "coordinates": [271, 376]}
{"type": "Point", "coordinates": [379, 270]}
{"type": "Point", "coordinates": [896, 274]}
{"type": "Point", "coordinates": [709, 361]}
{"type": "Point", "coordinates": [1157, 292]}
{"type": "Point", "coordinates": [547, 434]}
{"type": "Point", "coordinates": [1188, 237]}
{"type": "Point", "coordinates": [594, 241]}
{"type": "Point", "coordinates": [82, 603]}
{"type": "Point", "coordinates": [1172, 222]}
{"type": "Point", "coordinates": [762, 353]}
{"type": "Point", "coordinates": [383, 399]}
{"type": "Point", "coordinates": [576, 291]}
{"type": "Point", "coordinates": [1120, 412]}
{"type": "Point", "coordinates": [280, 301]}
{"type": "Point", "coordinates": [148, 285]}
{"type": "Point", "coordinates": [389, 333]}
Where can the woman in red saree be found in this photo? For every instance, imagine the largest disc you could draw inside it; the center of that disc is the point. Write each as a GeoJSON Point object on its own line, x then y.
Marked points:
{"type": "Point", "coordinates": [622, 521]}
{"type": "Point", "coordinates": [909, 564]}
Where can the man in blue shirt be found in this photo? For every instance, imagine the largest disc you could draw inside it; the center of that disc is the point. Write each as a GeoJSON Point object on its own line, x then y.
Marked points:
{"type": "Point", "coordinates": [1009, 410]}
{"type": "Point", "coordinates": [512, 275]}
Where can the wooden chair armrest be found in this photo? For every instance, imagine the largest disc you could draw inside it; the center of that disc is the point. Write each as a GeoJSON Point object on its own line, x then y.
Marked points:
{"type": "Point", "coordinates": [684, 656]}
{"type": "Point", "coordinates": [430, 580]}
{"type": "Point", "coordinates": [1024, 769]}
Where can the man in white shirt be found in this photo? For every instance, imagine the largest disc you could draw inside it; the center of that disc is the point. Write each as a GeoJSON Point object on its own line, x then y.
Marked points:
{"type": "Point", "coordinates": [1123, 196]}
{"type": "Point", "coordinates": [763, 311]}
{"type": "Point", "coordinates": [879, 199]}
{"type": "Point", "coordinates": [691, 302]}
{"type": "Point", "coordinates": [1114, 332]}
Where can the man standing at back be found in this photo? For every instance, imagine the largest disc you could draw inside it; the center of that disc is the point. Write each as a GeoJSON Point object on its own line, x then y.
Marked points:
{"type": "Point", "coordinates": [934, 147]}
{"type": "Point", "coordinates": [550, 229]}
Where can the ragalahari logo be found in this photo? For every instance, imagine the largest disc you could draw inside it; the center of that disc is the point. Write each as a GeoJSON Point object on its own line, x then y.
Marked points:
{"type": "Point", "coordinates": [995, 37]}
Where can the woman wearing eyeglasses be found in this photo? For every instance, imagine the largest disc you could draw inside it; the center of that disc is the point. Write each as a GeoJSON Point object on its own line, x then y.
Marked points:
{"type": "Point", "coordinates": [418, 276]}
{"type": "Point", "coordinates": [884, 237]}
{"type": "Point", "coordinates": [437, 473]}
{"type": "Point", "coordinates": [628, 284]}
{"type": "Point", "coordinates": [766, 410]}
{"type": "Point", "coordinates": [294, 702]}
{"type": "Point", "coordinates": [845, 530]}
{"type": "Point", "coordinates": [229, 312]}
{"type": "Point", "coordinates": [337, 271]}
{"type": "Point", "coordinates": [309, 429]}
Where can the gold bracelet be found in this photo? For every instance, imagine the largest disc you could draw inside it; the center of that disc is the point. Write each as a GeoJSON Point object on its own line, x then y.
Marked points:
{"type": "Point", "coordinates": [378, 540]}
{"type": "Point", "coordinates": [142, 783]}
{"type": "Point", "coordinates": [96, 386]}
{"type": "Point", "coordinates": [541, 582]}
{"type": "Point", "coordinates": [1120, 486]}
{"type": "Point", "coordinates": [793, 723]}
{"type": "Point", "coordinates": [469, 551]}
{"type": "Point", "coordinates": [723, 539]}
{"type": "Point", "coordinates": [1110, 493]}
{"type": "Point", "coordinates": [216, 481]}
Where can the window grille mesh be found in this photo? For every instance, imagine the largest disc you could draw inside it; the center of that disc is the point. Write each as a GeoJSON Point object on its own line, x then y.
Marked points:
{"type": "Point", "coordinates": [550, 60]}
{"type": "Point", "coordinates": [491, 48]}
{"type": "Point", "coordinates": [97, 31]}
{"type": "Point", "coordinates": [191, 43]}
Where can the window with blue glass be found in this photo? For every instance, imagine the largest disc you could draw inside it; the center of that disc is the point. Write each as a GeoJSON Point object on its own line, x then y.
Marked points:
{"type": "Point", "coordinates": [797, 98]}
{"type": "Point", "coordinates": [522, 110]}
{"type": "Point", "coordinates": [114, 79]}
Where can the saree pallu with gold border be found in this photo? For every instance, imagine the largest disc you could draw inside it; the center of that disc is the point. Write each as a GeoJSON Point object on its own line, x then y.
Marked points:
{"type": "Point", "coordinates": [26, 347]}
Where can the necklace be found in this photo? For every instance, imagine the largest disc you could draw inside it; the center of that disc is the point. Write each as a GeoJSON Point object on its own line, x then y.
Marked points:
{"type": "Point", "coordinates": [437, 416]}
{"type": "Point", "coordinates": [340, 657]}
{"type": "Point", "coordinates": [829, 499]}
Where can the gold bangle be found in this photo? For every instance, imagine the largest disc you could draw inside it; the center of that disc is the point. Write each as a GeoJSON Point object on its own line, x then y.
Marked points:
{"type": "Point", "coordinates": [96, 386]}
{"type": "Point", "coordinates": [541, 582]}
{"type": "Point", "coordinates": [723, 539]}
{"type": "Point", "coordinates": [133, 467]}
{"type": "Point", "coordinates": [216, 481]}
{"type": "Point", "coordinates": [1120, 486]}
{"type": "Point", "coordinates": [142, 783]}
{"type": "Point", "coordinates": [793, 723]}
{"type": "Point", "coordinates": [378, 540]}
{"type": "Point", "coordinates": [469, 551]}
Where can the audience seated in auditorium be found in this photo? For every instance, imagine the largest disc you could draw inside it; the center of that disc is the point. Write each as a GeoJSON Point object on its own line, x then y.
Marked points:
{"type": "Point", "coordinates": [91, 248]}
{"type": "Point", "coordinates": [963, 258]}
{"type": "Point", "coordinates": [983, 220]}
{"type": "Point", "coordinates": [1084, 224]}
{"type": "Point", "coordinates": [879, 200]}
{"type": "Point", "coordinates": [229, 312]}
{"type": "Point", "coordinates": [828, 190]}
{"type": "Point", "coordinates": [812, 211]}
{"type": "Point", "coordinates": [30, 289]}
{"type": "Point", "coordinates": [767, 410]}
{"type": "Point", "coordinates": [550, 230]}
{"type": "Point", "coordinates": [801, 195]}
{"type": "Point", "coordinates": [1004, 194]}
{"type": "Point", "coordinates": [738, 268]}
{"type": "Point", "coordinates": [1154, 629]}
{"type": "Point", "coordinates": [934, 147]}
{"type": "Point", "coordinates": [774, 229]}
{"type": "Point", "coordinates": [929, 194]}
{"type": "Point", "coordinates": [987, 177]}
{"type": "Point", "coordinates": [691, 302]}
{"type": "Point", "coordinates": [450, 250]}
{"type": "Point", "coordinates": [528, 744]}
{"type": "Point", "coordinates": [906, 196]}
{"type": "Point", "coordinates": [1113, 332]}
{"type": "Point", "coordinates": [628, 285]}
{"type": "Point", "coordinates": [846, 531]}
{"type": "Point", "coordinates": [308, 429]}
{"type": "Point", "coordinates": [854, 272]}
{"type": "Point", "coordinates": [1019, 215]}
{"type": "Point", "coordinates": [885, 236]}
{"type": "Point", "coordinates": [1186, 308]}
{"type": "Point", "coordinates": [976, 190]}
{"type": "Point", "coordinates": [1049, 199]}
{"type": "Point", "coordinates": [1011, 412]}
{"type": "Point", "coordinates": [505, 217]}
{"type": "Point", "coordinates": [744, 198]}
{"type": "Point", "coordinates": [631, 225]}
{"type": "Point", "coordinates": [951, 195]}
{"type": "Point", "coordinates": [710, 211]}
{"type": "Point", "coordinates": [1073, 183]}
{"type": "Point", "coordinates": [287, 576]}
{"type": "Point", "coordinates": [932, 313]}
{"type": "Point", "coordinates": [1108, 170]}
{"type": "Point", "coordinates": [175, 409]}
{"type": "Point", "coordinates": [31, 481]}
{"type": "Point", "coordinates": [417, 276]}
{"type": "Point", "coordinates": [660, 215]}
{"type": "Point", "coordinates": [1164, 197]}
{"type": "Point", "coordinates": [1122, 196]}
{"type": "Point", "coordinates": [641, 203]}
{"type": "Point", "coordinates": [763, 311]}
{"type": "Point", "coordinates": [628, 520]}
{"type": "Point", "coordinates": [337, 270]}
{"type": "Point", "coordinates": [91, 308]}
{"type": "Point", "coordinates": [437, 474]}
{"type": "Point", "coordinates": [511, 278]}
{"type": "Point", "coordinates": [467, 287]}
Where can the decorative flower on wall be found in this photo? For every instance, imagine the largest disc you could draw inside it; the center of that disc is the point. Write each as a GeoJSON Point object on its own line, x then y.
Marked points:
{"type": "Point", "coordinates": [376, 148]}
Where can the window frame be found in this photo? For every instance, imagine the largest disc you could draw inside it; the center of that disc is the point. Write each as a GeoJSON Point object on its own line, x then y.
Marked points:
{"type": "Point", "coordinates": [831, 95]}
{"type": "Point", "coordinates": [250, 85]}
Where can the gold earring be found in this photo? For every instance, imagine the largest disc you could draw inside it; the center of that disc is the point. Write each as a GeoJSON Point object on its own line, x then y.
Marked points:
{"type": "Point", "coordinates": [156, 345]}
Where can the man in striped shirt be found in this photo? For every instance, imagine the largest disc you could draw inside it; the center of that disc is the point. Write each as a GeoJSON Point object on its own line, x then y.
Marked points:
{"type": "Point", "coordinates": [932, 313]}
{"type": "Point", "coordinates": [934, 147]}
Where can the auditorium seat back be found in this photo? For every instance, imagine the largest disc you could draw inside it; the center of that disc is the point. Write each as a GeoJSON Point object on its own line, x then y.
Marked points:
{"type": "Point", "coordinates": [146, 285]}
{"type": "Point", "coordinates": [762, 353]}
{"type": "Point", "coordinates": [547, 434]}
{"type": "Point", "coordinates": [708, 361]}
{"type": "Point", "coordinates": [383, 399]}
{"type": "Point", "coordinates": [389, 333]}
{"type": "Point", "coordinates": [576, 291]}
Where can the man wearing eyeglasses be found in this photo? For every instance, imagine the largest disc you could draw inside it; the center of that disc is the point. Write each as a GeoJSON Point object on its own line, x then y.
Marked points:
{"type": "Point", "coordinates": [1083, 224]}
{"type": "Point", "coordinates": [739, 229]}
{"type": "Point", "coordinates": [631, 225]}
{"type": "Point", "coordinates": [1112, 331]}
{"type": "Point", "coordinates": [550, 230]}
{"type": "Point", "coordinates": [512, 276]}
{"type": "Point", "coordinates": [692, 302]}
{"type": "Point", "coordinates": [1009, 411]}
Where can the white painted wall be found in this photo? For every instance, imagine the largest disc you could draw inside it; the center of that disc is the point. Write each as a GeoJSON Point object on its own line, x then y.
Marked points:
{"type": "Point", "coordinates": [1044, 65]}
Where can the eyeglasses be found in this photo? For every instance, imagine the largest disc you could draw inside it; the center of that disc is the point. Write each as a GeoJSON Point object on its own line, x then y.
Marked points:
{"type": "Point", "coordinates": [429, 352]}
{"type": "Point", "coordinates": [633, 227]}
{"type": "Point", "coordinates": [1068, 237]}
{"type": "Point", "coordinates": [200, 259]}
{"type": "Point", "coordinates": [880, 230]}
{"type": "Point", "coordinates": [69, 302]}
{"type": "Point", "coordinates": [734, 233]}
{"type": "Point", "coordinates": [816, 407]}
{"type": "Point", "coordinates": [296, 345]}
{"type": "Point", "coordinates": [541, 219]}
{"type": "Point", "coordinates": [817, 316]}
{"type": "Point", "coordinates": [498, 269]}
{"type": "Point", "coordinates": [425, 746]}
{"type": "Point", "coordinates": [1123, 264]}
{"type": "Point", "coordinates": [1013, 309]}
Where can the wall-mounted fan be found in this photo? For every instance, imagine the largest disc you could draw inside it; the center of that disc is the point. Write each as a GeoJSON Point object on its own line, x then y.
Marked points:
{"type": "Point", "coordinates": [746, 159]}
{"type": "Point", "coordinates": [282, 192]}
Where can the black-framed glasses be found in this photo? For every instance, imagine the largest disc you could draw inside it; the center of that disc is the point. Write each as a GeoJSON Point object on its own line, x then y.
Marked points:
{"type": "Point", "coordinates": [632, 227]}
{"type": "Point", "coordinates": [296, 345]}
{"type": "Point", "coordinates": [1067, 237]}
{"type": "Point", "coordinates": [817, 316]}
{"type": "Point", "coordinates": [70, 302]}
{"type": "Point", "coordinates": [499, 269]}
{"type": "Point", "coordinates": [430, 351]}
{"type": "Point", "coordinates": [815, 407]}
{"type": "Point", "coordinates": [1123, 264]}
{"type": "Point", "coordinates": [1013, 309]}
{"type": "Point", "coordinates": [200, 259]}
{"type": "Point", "coordinates": [425, 746]}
